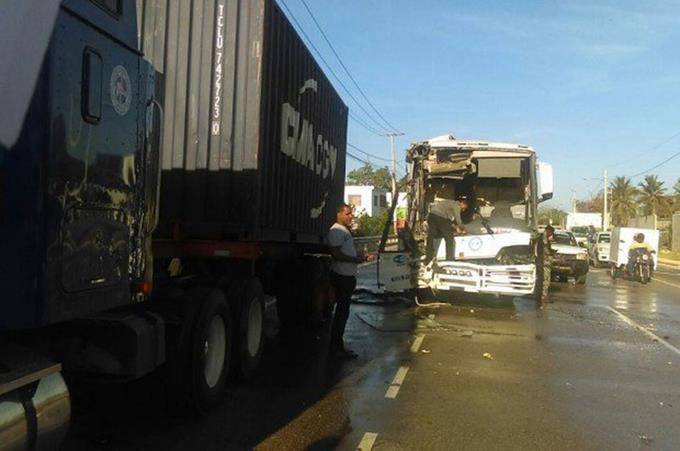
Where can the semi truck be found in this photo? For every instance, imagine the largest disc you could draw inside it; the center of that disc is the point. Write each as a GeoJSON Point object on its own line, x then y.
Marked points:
{"type": "Point", "coordinates": [163, 166]}
{"type": "Point", "coordinates": [501, 251]}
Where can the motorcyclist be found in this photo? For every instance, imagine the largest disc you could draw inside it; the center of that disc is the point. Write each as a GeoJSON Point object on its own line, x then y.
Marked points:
{"type": "Point", "coordinates": [639, 243]}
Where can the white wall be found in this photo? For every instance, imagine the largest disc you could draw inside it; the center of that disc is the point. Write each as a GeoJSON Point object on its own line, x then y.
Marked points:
{"type": "Point", "coordinates": [372, 200]}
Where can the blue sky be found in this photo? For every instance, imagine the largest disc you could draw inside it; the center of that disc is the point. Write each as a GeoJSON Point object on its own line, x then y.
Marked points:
{"type": "Point", "coordinates": [590, 85]}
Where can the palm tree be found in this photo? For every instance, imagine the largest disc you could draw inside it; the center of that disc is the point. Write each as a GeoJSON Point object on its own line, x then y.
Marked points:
{"type": "Point", "coordinates": [676, 196]}
{"type": "Point", "coordinates": [652, 194]}
{"type": "Point", "coordinates": [623, 200]}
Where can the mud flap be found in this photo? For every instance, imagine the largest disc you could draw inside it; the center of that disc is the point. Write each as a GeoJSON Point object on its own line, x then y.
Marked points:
{"type": "Point", "coordinates": [395, 273]}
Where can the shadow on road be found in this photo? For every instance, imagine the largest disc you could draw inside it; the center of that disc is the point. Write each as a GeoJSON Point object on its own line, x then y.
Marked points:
{"type": "Point", "coordinates": [296, 377]}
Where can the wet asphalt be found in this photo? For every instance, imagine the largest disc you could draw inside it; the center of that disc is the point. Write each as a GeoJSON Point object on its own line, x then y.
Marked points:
{"type": "Point", "coordinates": [598, 368]}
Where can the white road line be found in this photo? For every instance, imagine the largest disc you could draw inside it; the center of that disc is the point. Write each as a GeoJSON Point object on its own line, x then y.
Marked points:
{"type": "Point", "coordinates": [367, 441]}
{"type": "Point", "coordinates": [417, 342]}
{"type": "Point", "coordinates": [674, 285]}
{"type": "Point", "coordinates": [654, 337]}
{"type": "Point", "coordinates": [393, 389]}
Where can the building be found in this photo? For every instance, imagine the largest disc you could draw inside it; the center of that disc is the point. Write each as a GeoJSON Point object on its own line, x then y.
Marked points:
{"type": "Point", "coordinates": [366, 199]}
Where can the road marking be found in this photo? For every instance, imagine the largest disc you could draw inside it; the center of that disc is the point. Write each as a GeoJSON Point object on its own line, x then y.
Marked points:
{"type": "Point", "coordinates": [654, 337]}
{"type": "Point", "coordinates": [417, 342]}
{"type": "Point", "coordinates": [367, 441]}
{"type": "Point", "coordinates": [393, 389]}
{"type": "Point", "coordinates": [666, 282]}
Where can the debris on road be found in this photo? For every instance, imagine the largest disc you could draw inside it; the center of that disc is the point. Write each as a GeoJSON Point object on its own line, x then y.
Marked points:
{"type": "Point", "coordinates": [472, 310]}
{"type": "Point", "coordinates": [487, 355]}
{"type": "Point", "coordinates": [645, 439]}
{"type": "Point", "coordinates": [426, 351]}
{"type": "Point", "coordinates": [466, 333]}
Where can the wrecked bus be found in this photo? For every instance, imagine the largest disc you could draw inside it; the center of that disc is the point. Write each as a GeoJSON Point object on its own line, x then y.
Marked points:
{"type": "Point", "coordinates": [501, 251]}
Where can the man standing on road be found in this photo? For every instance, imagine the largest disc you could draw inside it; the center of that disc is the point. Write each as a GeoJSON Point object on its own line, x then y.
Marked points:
{"type": "Point", "coordinates": [343, 276]}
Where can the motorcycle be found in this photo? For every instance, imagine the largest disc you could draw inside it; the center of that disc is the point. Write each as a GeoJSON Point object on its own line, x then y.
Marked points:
{"type": "Point", "coordinates": [641, 265]}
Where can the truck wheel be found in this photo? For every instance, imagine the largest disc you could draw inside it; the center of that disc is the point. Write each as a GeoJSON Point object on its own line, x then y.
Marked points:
{"type": "Point", "coordinates": [613, 272]}
{"type": "Point", "coordinates": [210, 352]}
{"type": "Point", "coordinates": [581, 279]}
{"type": "Point", "coordinates": [248, 301]}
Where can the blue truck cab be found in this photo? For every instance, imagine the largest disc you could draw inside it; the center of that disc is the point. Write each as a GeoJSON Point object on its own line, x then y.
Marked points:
{"type": "Point", "coordinates": [135, 239]}
{"type": "Point", "coordinates": [75, 211]}
{"type": "Point", "coordinates": [77, 202]}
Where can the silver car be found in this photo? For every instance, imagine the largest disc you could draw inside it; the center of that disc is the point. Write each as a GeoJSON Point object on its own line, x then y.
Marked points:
{"type": "Point", "coordinates": [599, 249]}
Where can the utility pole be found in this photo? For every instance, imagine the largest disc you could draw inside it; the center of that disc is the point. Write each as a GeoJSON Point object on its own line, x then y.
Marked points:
{"type": "Point", "coordinates": [392, 135]}
{"type": "Point", "coordinates": [395, 194]}
{"type": "Point", "coordinates": [605, 215]}
{"type": "Point", "coordinates": [573, 201]}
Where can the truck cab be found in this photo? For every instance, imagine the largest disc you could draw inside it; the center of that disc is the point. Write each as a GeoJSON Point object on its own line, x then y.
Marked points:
{"type": "Point", "coordinates": [500, 251]}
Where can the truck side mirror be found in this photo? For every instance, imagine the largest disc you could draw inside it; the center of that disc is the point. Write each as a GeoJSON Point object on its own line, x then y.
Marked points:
{"type": "Point", "coordinates": [544, 174]}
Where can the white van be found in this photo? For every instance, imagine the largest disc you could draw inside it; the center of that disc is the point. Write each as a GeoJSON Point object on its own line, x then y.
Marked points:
{"type": "Point", "coordinates": [621, 239]}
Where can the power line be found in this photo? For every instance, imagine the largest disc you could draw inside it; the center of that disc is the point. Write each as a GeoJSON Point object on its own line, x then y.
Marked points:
{"type": "Point", "coordinates": [328, 66]}
{"type": "Point", "coordinates": [656, 166]}
{"type": "Point", "coordinates": [354, 157]}
{"type": "Point", "coordinates": [361, 91]}
{"type": "Point", "coordinates": [364, 124]}
{"type": "Point", "coordinates": [651, 149]}
{"type": "Point", "coordinates": [368, 154]}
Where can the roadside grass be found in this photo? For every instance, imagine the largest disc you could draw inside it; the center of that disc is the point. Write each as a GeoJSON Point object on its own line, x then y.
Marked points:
{"type": "Point", "coordinates": [670, 255]}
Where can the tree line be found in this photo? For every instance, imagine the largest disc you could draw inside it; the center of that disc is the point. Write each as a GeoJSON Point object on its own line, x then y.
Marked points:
{"type": "Point", "coordinates": [627, 201]}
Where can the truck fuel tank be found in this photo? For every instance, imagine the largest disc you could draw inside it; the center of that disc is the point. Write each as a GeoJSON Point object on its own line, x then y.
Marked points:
{"type": "Point", "coordinates": [35, 405]}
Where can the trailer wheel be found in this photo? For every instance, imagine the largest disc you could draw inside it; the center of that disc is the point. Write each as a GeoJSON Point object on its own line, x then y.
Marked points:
{"type": "Point", "coordinates": [210, 352]}
{"type": "Point", "coordinates": [248, 299]}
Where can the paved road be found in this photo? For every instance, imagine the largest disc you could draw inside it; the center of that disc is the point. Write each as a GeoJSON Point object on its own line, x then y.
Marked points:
{"type": "Point", "coordinates": [596, 369]}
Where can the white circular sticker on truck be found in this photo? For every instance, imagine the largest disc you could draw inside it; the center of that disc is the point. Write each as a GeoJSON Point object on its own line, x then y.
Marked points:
{"type": "Point", "coordinates": [475, 244]}
{"type": "Point", "coordinates": [121, 90]}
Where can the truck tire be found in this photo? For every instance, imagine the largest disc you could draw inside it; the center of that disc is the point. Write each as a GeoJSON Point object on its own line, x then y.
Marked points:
{"type": "Point", "coordinates": [247, 300]}
{"type": "Point", "coordinates": [543, 272]}
{"type": "Point", "coordinates": [199, 371]}
{"type": "Point", "coordinates": [581, 279]}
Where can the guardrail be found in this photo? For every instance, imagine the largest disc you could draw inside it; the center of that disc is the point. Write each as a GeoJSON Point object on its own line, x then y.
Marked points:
{"type": "Point", "coordinates": [371, 243]}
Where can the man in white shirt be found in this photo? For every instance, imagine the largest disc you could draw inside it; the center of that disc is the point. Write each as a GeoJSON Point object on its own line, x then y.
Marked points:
{"type": "Point", "coordinates": [343, 276]}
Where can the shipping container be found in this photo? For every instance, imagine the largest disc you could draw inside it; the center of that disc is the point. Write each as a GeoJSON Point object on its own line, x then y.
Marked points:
{"type": "Point", "coordinates": [254, 134]}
